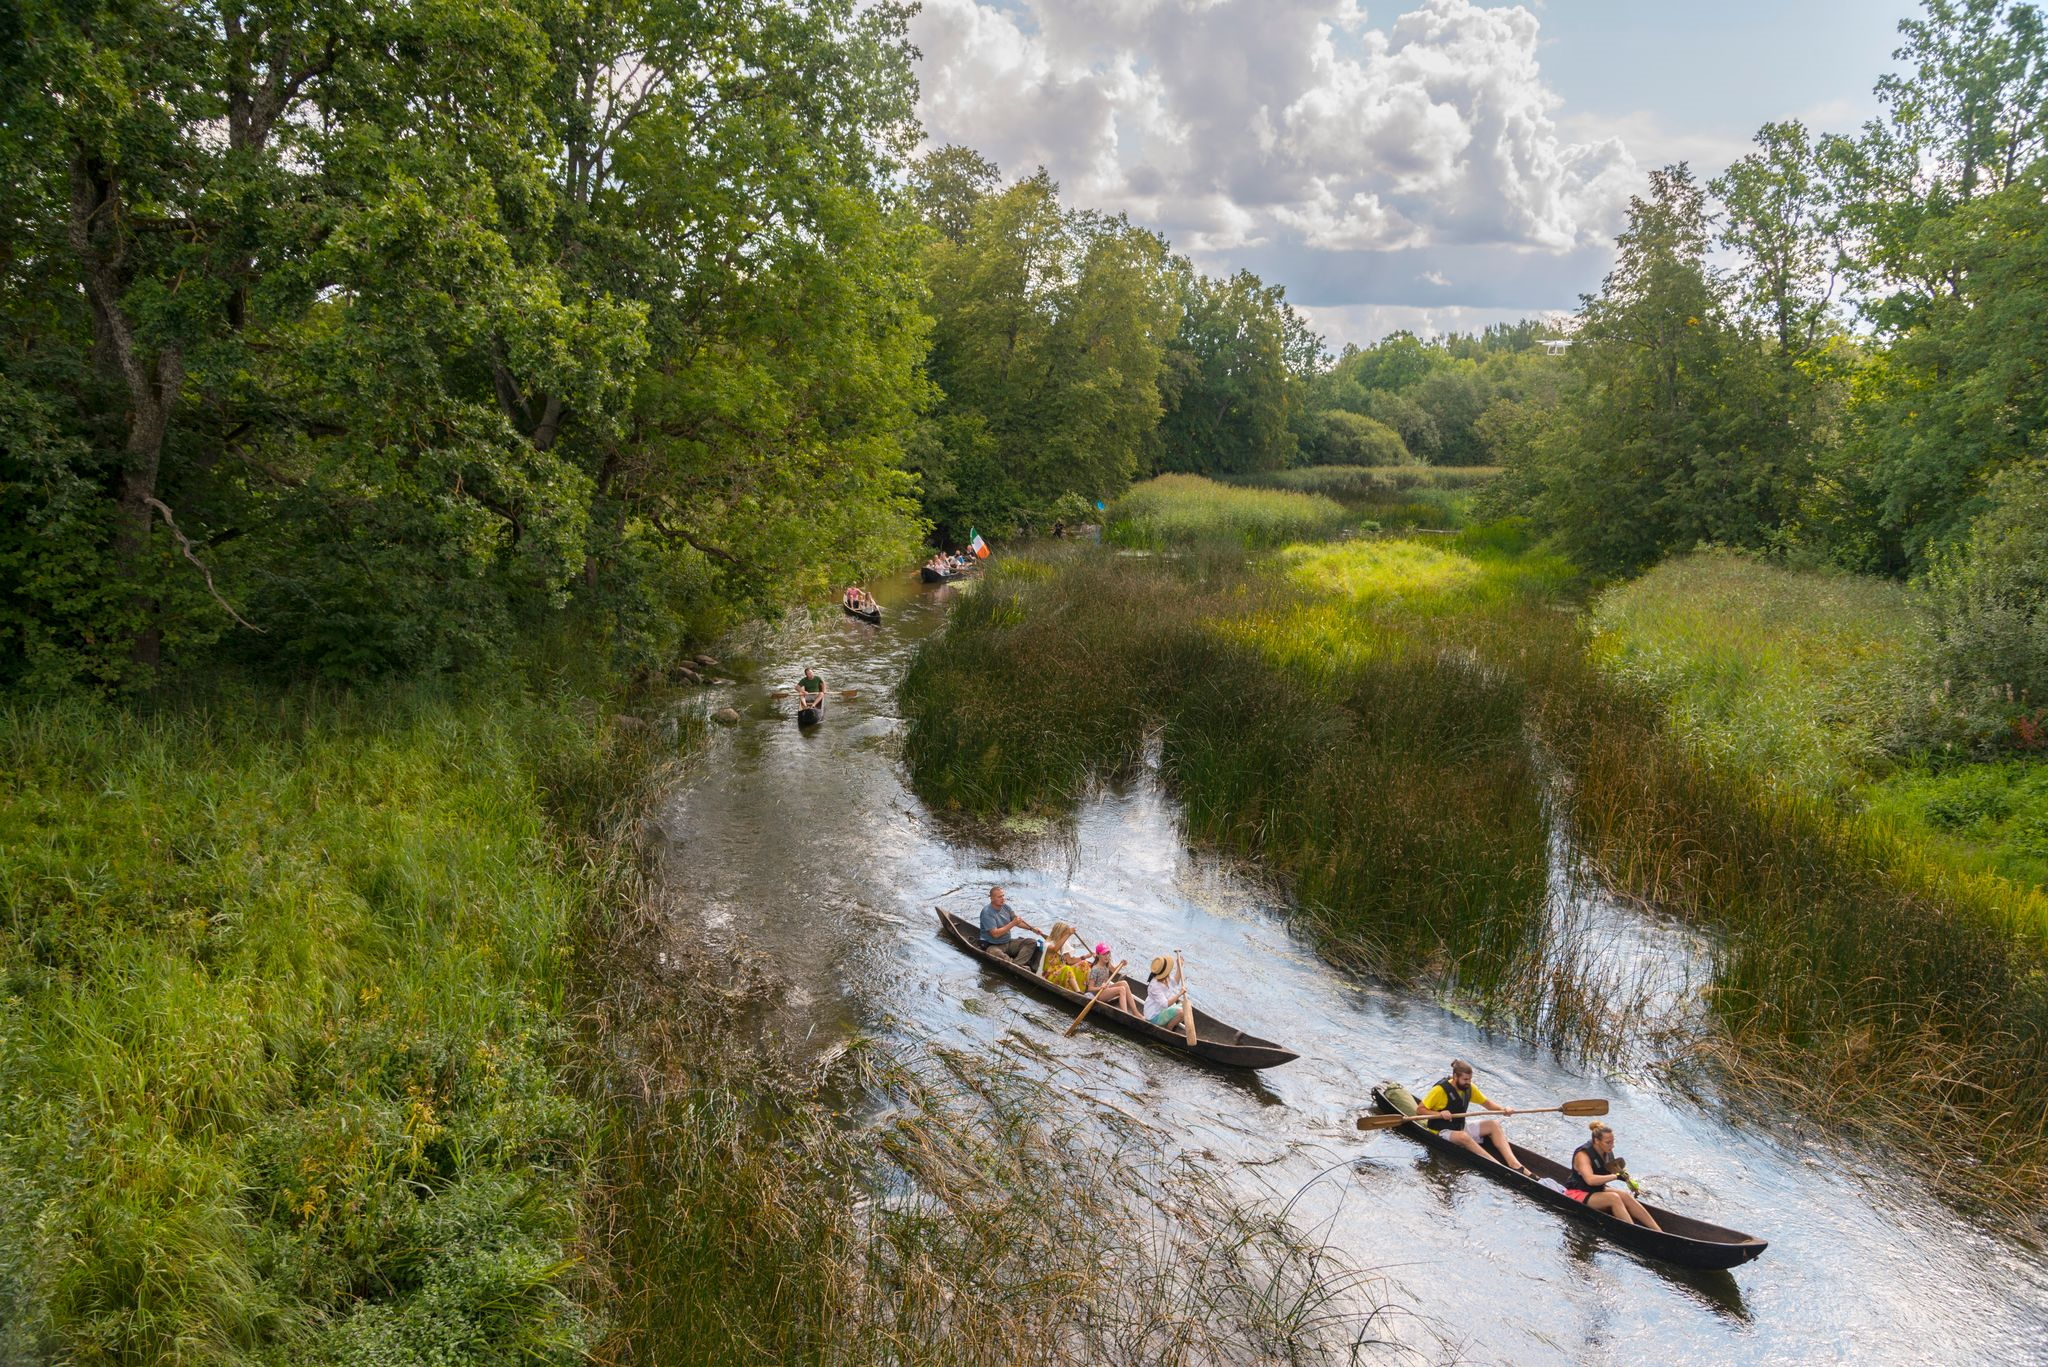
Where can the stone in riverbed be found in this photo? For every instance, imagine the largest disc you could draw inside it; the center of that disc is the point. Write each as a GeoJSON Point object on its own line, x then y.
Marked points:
{"type": "Point", "coordinates": [707, 662]}
{"type": "Point", "coordinates": [726, 716]}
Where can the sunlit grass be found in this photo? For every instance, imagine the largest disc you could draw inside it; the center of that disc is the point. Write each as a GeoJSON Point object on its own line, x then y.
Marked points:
{"type": "Point", "coordinates": [1179, 510]}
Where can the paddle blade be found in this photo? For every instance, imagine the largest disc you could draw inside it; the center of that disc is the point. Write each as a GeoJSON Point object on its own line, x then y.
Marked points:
{"type": "Point", "coordinates": [1381, 1122]}
{"type": "Point", "coordinates": [1584, 1108]}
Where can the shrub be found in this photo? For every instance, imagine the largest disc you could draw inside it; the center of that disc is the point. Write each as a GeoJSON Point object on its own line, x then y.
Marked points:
{"type": "Point", "coordinates": [1987, 675]}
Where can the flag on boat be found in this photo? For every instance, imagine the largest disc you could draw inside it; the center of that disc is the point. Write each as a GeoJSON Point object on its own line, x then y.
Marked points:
{"type": "Point", "coordinates": [979, 547]}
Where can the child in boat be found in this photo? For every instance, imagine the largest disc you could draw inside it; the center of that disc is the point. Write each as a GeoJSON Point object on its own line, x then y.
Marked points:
{"type": "Point", "coordinates": [1114, 993]}
{"type": "Point", "coordinates": [1166, 994]}
{"type": "Point", "coordinates": [1061, 968]}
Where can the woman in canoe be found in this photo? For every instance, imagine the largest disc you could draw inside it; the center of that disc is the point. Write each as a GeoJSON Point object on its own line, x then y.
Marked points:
{"type": "Point", "coordinates": [1101, 978]}
{"type": "Point", "coordinates": [1059, 967]}
{"type": "Point", "coordinates": [1166, 998]}
{"type": "Point", "coordinates": [1444, 1110]}
{"type": "Point", "coordinates": [1600, 1179]}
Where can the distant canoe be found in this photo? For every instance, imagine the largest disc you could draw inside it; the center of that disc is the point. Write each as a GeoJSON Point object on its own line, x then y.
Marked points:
{"type": "Point", "coordinates": [1218, 1043]}
{"type": "Point", "coordinates": [932, 576]}
{"type": "Point", "coordinates": [1683, 1240]}
{"type": "Point", "coordinates": [873, 614]}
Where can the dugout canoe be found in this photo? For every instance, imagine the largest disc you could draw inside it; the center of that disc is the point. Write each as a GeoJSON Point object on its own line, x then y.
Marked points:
{"type": "Point", "coordinates": [1220, 1044]}
{"type": "Point", "coordinates": [873, 614]}
{"type": "Point", "coordinates": [811, 716]}
{"type": "Point", "coordinates": [1684, 1241]}
{"type": "Point", "coordinates": [932, 576]}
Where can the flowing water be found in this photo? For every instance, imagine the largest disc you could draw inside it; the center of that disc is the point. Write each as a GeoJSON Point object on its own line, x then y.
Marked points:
{"type": "Point", "coordinates": [809, 845]}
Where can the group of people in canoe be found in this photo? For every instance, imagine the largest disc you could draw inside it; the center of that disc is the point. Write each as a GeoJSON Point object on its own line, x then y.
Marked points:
{"type": "Point", "coordinates": [858, 599]}
{"type": "Point", "coordinates": [946, 564]}
{"type": "Point", "coordinates": [1598, 1177]}
{"type": "Point", "coordinates": [1079, 970]}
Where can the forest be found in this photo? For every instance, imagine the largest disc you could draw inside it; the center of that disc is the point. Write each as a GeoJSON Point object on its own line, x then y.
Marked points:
{"type": "Point", "coordinates": [396, 398]}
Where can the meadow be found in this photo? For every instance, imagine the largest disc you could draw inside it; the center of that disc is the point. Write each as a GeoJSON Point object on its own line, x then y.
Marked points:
{"type": "Point", "coordinates": [1179, 509]}
{"type": "Point", "coordinates": [280, 1029]}
{"type": "Point", "coordinates": [1358, 717]}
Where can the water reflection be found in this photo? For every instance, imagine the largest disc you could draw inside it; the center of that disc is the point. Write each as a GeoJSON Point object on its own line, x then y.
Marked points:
{"type": "Point", "coordinates": [810, 847]}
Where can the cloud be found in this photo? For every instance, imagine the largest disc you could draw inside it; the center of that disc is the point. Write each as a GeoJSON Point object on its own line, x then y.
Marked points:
{"type": "Point", "coordinates": [1284, 128]}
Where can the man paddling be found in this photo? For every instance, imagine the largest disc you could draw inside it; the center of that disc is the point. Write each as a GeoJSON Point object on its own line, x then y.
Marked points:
{"type": "Point", "coordinates": [810, 689]}
{"type": "Point", "coordinates": [997, 923]}
{"type": "Point", "coordinates": [1445, 1109]}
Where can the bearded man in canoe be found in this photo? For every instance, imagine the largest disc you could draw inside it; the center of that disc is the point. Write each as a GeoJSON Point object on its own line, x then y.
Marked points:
{"type": "Point", "coordinates": [1445, 1107]}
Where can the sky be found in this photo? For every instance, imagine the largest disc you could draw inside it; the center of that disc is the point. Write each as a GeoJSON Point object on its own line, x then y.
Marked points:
{"type": "Point", "coordinates": [1434, 165]}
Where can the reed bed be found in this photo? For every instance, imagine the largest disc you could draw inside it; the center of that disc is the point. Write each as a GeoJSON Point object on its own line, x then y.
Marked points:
{"type": "Point", "coordinates": [919, 1204]}
{"type": "Point", "coordinates": [1360, 483]}
{"type": "Point", "coordinates": [1176, 510]}
{"type": "Point", "coordinates": [1371, 741]}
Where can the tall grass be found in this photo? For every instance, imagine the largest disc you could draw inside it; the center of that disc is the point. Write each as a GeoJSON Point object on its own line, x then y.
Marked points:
{"type": "Point", "coordinates": [1178, 510]}
{"type": "Point", "coordinates": [278, 1035]}
{"type": "Point", "coordinates": [1361, 720]}
{"type": "Point", "coordinates": [1361, 483]}
{"type": "Point", "coordinates": [922, 1205]}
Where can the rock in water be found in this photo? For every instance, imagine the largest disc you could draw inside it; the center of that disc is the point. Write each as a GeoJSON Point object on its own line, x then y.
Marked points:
{"type": "Point", "coordinates": [707, 662]}
{"type": "Point", "coordinates": [726, 716]}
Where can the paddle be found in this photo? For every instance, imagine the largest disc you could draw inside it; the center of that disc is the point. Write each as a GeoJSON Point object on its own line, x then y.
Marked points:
{"type": "Point", "coordinates": [1577, 1108]}
{"type": "Point", "coordinates": [844, 692]}
{"type": "Point", "coordinates": [1187, 1002]}
{"type": "Point", "coordinates": [1097, 996]}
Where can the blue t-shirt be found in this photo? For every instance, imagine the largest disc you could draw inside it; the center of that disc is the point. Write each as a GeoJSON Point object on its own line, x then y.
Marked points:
{"type": "Point", "coordinates": [991, 917]}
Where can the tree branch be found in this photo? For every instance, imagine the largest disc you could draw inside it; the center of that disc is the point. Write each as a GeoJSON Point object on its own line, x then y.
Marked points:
{"type": "Point", "coordinates": [185, 545]}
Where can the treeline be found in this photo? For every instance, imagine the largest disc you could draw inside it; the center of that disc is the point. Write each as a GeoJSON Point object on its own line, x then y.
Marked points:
{"type": "Point", "coordinates": [366, 340]}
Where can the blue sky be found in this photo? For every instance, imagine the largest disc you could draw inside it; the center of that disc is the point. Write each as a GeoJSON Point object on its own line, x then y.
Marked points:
{"type": "Point", "coordinates": [1432, 164]}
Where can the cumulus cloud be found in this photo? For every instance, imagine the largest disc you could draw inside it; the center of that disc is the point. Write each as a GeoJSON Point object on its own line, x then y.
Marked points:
{"type": "Point", "coordinates": [1285, 129]}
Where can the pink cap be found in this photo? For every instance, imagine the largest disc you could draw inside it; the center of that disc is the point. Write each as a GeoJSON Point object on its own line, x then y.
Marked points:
{"type": "Point", "coordinates": [1102, 949]}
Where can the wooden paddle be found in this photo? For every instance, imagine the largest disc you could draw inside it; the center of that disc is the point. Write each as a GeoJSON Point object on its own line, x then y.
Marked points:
{"type": "Point", "coordinates": [1577, 1108]}
{"type": "Point", "coordinates": [1096, 996]}
{"type": "Point", "coordinates": [844, 692]}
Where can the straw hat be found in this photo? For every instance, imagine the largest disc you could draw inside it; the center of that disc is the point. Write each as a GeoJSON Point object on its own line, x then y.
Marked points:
{"type": "Point", "coordinates": [1160, 965]}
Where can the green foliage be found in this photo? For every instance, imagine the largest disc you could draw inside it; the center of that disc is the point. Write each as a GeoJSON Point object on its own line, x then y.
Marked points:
{"type": "Point", "coordinates": [1237, 370]}
{"type": "Point", "coordinates": [1988, 816]}
{"type": "Point", "coordinates": [1176, 510]}
{"type": "Point", "coordinates": [1679, 432]}
{"type": "Point", "coordinates": [1337, 437]}
{"type": "Point", "coordinates": [1987, 675]}
{"type": "Point", "coordinates": [1791, 676]}
{"type": "Point", "coordinates": [277, 1031]}
{"type": "Point", "coordinates": [1048, 338]}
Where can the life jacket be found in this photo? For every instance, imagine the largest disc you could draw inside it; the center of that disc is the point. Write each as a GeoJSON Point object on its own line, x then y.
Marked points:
{"type": "Point", "coordinates": [1457, 1103]}
{"type": "Point", "coordinates": [1603, 1167]}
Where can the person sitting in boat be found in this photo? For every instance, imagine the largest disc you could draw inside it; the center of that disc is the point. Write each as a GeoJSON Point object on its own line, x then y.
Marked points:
{"type": "Point", "coordinates": [857, 598]}
{"type": "Point", "coordinates": [1102, 978]}
{"type": "Point", "coordinates": [1600, 1178]}
{"type": "Point", "coordinates": [810, 689]}
{"type": "Point", "coordinates": [998, 924]}
{"type": "Point", "coordinates": [1166, 998]}
{"type": "Point", "coordinates": [1059, 967]}
{"type": "Point", "coordinates": [1445, 1107]}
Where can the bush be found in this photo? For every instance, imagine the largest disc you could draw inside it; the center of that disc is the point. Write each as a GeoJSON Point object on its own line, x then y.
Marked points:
{"type": "Point", "coordinates": [1180, 510]}
{"type": "Point", "coordinates": [1987, 675]}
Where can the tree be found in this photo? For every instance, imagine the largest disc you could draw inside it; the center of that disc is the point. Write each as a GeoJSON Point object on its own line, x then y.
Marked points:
{"type": "Point", "coordinates": [1242, 359]}
{"type": "Point", "coordinates": [1780, 224]}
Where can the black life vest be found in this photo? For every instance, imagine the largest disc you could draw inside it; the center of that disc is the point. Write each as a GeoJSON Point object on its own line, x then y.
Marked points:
{"type": "Point", "coordinates": [1457, 1103]}
{"type": "Point", "coordinates": [1604, 1167]}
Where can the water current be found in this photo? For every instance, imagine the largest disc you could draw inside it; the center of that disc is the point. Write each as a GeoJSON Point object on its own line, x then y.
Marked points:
{"type": "Point", "coordinates": [810, 846]}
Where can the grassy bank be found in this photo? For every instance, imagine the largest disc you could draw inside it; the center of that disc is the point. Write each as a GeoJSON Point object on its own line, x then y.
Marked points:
{"type": "Point", "coordinates": [280, 1030]}
{"type": "Point", "coordinates": [1358, 716]}
{"type": "Point", "coordinates": [1797, 680]}
{"type": "Point", "coordinates": [1427, 497]}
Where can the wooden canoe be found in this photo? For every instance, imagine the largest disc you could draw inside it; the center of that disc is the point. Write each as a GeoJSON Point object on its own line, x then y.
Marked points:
{"type": "Point", "coordinates": [932, 576]}
{"type": "Point", "coordinates": [1218, 1043]}
{"type": "Point", "coordinates": [873, 614]}
{"type": "Point", "coordinates": [1683, 1241]}
{"type": "Point", "coordinates": [811, 716]}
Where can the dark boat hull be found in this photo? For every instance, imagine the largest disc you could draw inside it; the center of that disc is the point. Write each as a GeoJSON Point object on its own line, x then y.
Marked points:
{"type": "Point", "coordinates": [811, 716]}
{"type": "Point", "coordinates": [1683, 1241]}
{"type": "Point", "coordinates": [932, 576]}
{"type": "Point", "coordinates": [1220, 1044]}
{"type": "Point", "coordinates": [871, 615]}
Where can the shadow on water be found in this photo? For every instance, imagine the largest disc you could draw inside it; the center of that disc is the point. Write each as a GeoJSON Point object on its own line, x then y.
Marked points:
{"type": "Point", "coordinates": [812, 849]}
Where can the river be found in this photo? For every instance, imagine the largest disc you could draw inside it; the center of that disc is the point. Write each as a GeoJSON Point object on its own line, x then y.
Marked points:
{"type": "Point", "coordinates": [811, 847]}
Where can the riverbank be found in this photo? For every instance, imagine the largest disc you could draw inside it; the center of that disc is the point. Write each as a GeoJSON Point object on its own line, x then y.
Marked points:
{"type": "Point", "coordinates": [1357, 717]}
